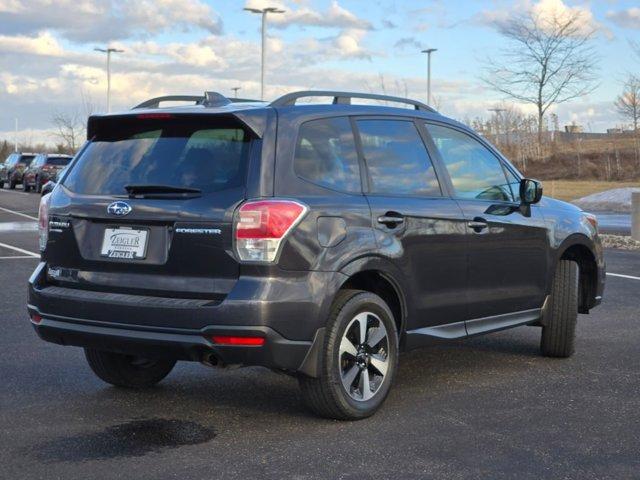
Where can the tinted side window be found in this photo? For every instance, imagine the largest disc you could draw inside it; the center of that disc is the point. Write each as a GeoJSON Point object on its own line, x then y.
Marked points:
{"type": "Point", "coordinates": [326, 154]}
{"type": "Point", "coordinates": [514, 183]}
{"type": "Point", "coordinates": [474, 170]}
{"type": "Point", "coordinates": [397, 159]}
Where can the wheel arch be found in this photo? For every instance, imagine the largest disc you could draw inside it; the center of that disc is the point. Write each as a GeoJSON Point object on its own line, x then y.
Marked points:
{"type": "Point", "coordinates": [378, 275]}
{"type": "Point", "coordinates": [581, 249]}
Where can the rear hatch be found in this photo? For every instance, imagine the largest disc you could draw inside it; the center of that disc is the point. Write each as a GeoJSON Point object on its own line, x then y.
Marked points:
{"type": "Point", "coordinates": [146, 208]}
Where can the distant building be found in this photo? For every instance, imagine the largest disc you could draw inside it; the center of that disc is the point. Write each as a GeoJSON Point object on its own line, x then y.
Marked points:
{"type": "Point", "coordinates": [573, 128]}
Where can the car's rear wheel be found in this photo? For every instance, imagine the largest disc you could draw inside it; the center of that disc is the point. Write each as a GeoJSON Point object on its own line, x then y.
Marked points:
{"type": "Point", "coordinates": [25, 185]}
{"type": "Point", "coordinates": [561, 314]}
{"type": "Point", "coordinates": [12, 184]}
{"type": "Point", "coordinates": [1, 184]}
{"type": "Point", "coordinates": [128, 371]}
{"type": "Point", "coordinates": [358, 361]}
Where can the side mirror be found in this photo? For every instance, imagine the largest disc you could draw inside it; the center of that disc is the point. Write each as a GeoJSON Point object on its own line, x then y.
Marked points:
{"type": "Point", "coordinates": [530, 191]}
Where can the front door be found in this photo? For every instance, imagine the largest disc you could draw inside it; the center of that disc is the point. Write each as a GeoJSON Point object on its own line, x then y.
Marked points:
{"type": "Point", "coordinates": [508, 244]}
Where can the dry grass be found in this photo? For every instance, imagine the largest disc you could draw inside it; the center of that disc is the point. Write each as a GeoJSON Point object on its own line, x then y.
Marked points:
{"type": "Point", "coordinates": [574, 189]}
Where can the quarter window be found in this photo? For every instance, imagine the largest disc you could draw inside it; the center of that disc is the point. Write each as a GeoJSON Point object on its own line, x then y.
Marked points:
{"type": "Point", "coordinates": [474, 170]}
{"type": "Point", "coordinates": [397, 159]}
{"type": "Point", "coordinates": [326, 154]}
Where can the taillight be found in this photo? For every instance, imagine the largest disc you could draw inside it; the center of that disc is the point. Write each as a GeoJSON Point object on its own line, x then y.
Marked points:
{"type": "Point", "coordinates": [43, 221]}
{"type": "Point", "coordinates": [261, 225]}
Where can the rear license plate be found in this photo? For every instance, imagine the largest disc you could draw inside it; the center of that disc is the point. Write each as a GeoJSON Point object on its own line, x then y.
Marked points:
{"type": "Point", "coordinates": [123, 242]}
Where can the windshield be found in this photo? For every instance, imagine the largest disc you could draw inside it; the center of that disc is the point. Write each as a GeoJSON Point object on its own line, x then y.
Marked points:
{"type": "Point", "coordinates": [26, 159]}
{"type": "Point", "coordinates": [200, 153]}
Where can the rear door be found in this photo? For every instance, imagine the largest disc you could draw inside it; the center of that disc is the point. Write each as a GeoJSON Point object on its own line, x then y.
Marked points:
{"type": "Point", "coordinates": [147, 207]}
{"type": "Point", "coordinates": [419, 228]}
{"type": "Point", "coordinates": [508, 244]}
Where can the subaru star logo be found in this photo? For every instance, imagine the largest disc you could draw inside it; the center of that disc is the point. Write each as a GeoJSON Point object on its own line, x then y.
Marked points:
{"type": "Point", "coordinates": [119, 208]}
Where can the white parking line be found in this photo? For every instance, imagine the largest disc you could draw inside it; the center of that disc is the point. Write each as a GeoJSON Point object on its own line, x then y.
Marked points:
{"type": "Point", "coordinates": [13, 191]}
{"type": "Point", "coordinates": [17, 257]}
{"type": "Point", "coordinates": [18, 213]}
{"type": "Point", "coordinates": [21, 250]}
{"type": "Point", "coordinates": [623, 276]}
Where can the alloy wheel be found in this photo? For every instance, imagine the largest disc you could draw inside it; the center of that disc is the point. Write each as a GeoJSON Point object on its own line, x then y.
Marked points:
{"type": "Point", "coordinates": [363, 356]}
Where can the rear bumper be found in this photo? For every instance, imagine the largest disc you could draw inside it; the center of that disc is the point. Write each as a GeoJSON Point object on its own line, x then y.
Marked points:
{"type": "Point", "coordinates": [276, 352]}
{"type": "Point", "coordinates": [287, 312]}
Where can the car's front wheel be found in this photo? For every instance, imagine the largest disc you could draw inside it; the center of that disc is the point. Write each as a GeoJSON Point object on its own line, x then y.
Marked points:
{"type": "Point", "coordinates": [358, 361]}
{"type": "Point", "coordinates": [561, 314]}
{"type": "Point", "coordinates": [128, 371]}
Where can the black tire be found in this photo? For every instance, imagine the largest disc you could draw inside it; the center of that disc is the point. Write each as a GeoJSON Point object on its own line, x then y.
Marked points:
{"type": "Point", "coordinates": [1, 183]}
{"type": "Point", "coordinates": [12, 184]}
{"type": "Point", "coordinates": [25, 186]}
{"type": "Point", "coordinates": [561, 316]}
{"type": "Point", "coordinates": [126, 370]}
{"type": "Point", "coordinates": [326, 395]}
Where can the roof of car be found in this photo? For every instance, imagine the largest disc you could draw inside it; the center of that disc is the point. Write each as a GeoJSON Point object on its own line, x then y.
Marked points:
{"type": "Point", "coordinates": [254, 112]}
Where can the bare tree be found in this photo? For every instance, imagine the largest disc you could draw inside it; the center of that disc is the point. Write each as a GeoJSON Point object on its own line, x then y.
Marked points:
{"type": "Point", "coordinates": [549, 60]}
{"type": "Point", "coordinates": [70, 126]}
{"type": "Point", "coordinates": [628, 102]}
{"type": "Point", "coordinates": [69, 129]}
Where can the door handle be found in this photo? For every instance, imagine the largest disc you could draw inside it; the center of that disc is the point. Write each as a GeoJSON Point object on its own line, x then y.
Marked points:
{"type": "Point", "coordinates": [477, 224]}
{"type": "Point", "coordinates": [391, 220]}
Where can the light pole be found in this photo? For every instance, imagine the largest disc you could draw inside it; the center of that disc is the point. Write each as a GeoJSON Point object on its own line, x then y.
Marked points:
{"type": "Point", "coordinates": [263, 12]}
{"type": "Point", "coordinates": [108, 51]}
{"type": "Point", "coordinates": [429, 51]}
{"type": "Point", "coordinates": [235, 91]}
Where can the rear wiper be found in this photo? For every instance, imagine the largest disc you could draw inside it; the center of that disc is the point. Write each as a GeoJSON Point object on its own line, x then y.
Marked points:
{"type": "Point", "coordinates": [161, 191]}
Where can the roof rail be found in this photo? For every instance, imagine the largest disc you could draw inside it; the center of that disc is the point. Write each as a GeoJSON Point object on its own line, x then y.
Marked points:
{"type": "Point", "coordinates": [344, 98]}
{"type": "Point", "coordinates": [209, 99]}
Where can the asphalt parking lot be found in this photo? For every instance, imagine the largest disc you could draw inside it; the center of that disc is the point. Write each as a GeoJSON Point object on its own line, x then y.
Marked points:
{"type": "Point", "coordinates": [489, 407]}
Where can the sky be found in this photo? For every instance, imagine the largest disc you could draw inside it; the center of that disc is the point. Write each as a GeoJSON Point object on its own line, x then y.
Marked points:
{"type": "Point", "coordinates": [48, 64]}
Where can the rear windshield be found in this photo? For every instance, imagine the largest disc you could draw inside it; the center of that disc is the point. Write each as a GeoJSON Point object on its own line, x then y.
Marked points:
{"type": "Point", "coordinates": [209, 154]}
{"type": "Point", "coordinates": [26, 159]}
{"type": "Point", "coordinates": [58, 161]}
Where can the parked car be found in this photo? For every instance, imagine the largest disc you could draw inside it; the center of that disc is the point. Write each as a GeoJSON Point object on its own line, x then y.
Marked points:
{"type": "Point", "coordinates": [13, 168]}
{"type": "Point", "coordinates": [318, 240]}
{"type": "Point", "coordinates": [50, 185]}
{"type": "Point", "coordinates": [42, 169]}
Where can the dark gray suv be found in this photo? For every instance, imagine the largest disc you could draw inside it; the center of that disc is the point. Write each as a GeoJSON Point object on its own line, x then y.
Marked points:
{"type": "Point", "coordinates": [316, 239]}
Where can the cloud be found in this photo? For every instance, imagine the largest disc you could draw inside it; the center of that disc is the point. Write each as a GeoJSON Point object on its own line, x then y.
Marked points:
{"type": "Point", "coordinates": [629, 18]}
{"type": "Point", "coordinates": [544, 11]}
{"type": "Point", "coordinates": [43, 44]}
{"type": "Point", "coordinates": [106, 20]}
{"type": "Point", "coordinates": [409, 42]}
{"type": "Point", "coordinates": [334, 17]}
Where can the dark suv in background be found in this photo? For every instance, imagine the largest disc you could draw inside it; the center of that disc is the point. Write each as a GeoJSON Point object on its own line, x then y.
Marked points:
{"type": "Point", "coordinates": [43, 168]}
{"type": "Point", "coordinates": [13, 168]}
{"type": "Point", "coordinates": [315, 239]}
